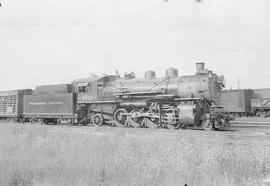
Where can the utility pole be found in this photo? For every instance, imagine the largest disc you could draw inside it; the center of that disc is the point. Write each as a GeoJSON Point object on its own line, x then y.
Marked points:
{"type": "Point", "coordinates": [238, 83]}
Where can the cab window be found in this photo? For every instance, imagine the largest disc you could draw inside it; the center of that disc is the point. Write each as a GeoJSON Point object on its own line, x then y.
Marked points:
{"type": "Point", "coordinates": [82, 89]}
{"type": "Point", "coordinates": [100, 84]}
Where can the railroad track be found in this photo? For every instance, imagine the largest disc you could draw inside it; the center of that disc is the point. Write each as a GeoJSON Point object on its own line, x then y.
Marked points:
{"type": "Point", "coordinates": [250, 124]}
{"type": "Point", "coordinates": [238, 124]}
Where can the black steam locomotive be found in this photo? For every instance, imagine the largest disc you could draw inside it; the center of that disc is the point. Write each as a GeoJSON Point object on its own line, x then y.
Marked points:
{"type": "Point", "coordinates": [169, 102]}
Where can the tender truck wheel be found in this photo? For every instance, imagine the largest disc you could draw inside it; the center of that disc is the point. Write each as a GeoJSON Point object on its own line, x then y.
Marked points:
{"type": "Point", "coordinates": [98, 120]}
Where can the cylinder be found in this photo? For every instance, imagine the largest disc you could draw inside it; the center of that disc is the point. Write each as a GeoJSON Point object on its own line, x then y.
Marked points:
{"type": "Point", "coordinates": [199, 67]}
{"type": "Point", "coordinates": [150, 74]}
{"type": "Point", "coordinates": [171, 73]}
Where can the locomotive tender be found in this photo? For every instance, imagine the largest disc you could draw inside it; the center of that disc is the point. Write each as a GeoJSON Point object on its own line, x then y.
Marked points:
{"type": "Point", "coordinates": [167, 102]}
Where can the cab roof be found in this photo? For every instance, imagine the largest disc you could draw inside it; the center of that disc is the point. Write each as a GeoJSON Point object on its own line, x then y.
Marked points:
{"type": "Point", "coordinates": [90, 79]}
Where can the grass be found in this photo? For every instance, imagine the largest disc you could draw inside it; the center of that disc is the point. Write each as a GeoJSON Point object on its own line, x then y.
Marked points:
{"type": "Point", "coordinates": [37, 155]}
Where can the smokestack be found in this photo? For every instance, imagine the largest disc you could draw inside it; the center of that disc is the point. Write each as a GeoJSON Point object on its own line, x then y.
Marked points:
{"type": "Point", "coordinates": [199, 67]}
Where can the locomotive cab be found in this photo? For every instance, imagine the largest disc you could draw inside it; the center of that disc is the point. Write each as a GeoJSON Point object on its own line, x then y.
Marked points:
{"type": "Point", "coordinates": [93, 89]}
{"type": "Point", "coordinates": [94, 96]}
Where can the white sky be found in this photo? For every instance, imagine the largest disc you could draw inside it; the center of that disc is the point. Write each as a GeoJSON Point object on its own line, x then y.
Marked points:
{"type": "Point", "coordinates": [56, 41]}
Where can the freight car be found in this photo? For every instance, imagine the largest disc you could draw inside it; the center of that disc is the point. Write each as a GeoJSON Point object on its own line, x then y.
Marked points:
{"type": "Point", "coordinates": [237, 102]}
{"type": "Point", "coordinates": [11, 104]}
{"type": "Point", "coordinates": [260, 102]}
{"type": "Point", "coordinates": [246, 102]}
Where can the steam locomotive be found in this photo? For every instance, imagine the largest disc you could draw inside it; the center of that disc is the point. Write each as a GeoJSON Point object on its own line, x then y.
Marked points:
{"type": "Point", "coordinates": [172, 101]}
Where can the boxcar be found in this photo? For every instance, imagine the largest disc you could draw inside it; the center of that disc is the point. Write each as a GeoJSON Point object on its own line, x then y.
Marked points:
{"type": "Point", "coordinates": [11, 103]}
{"type": "Point", "coordinates": [50, 106]}
{"type": "Point", "coordinates": [260, 103]}
{"type": "Point", "coordinates": [237, 102]}
{"type": "Point", "coordinates": [261, 93]}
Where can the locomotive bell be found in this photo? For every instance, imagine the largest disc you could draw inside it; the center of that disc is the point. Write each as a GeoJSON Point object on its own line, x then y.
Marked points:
{"type": "Point", "coordinates": [150, 74]}
{"type": "Point", "coordinates": [171, 73]}
{"type": "Point", "coordinates": [199, 67]}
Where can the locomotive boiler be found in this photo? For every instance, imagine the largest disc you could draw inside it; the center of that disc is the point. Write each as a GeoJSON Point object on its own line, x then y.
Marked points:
{"type": "Point", "coordinates": [171, 101]}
